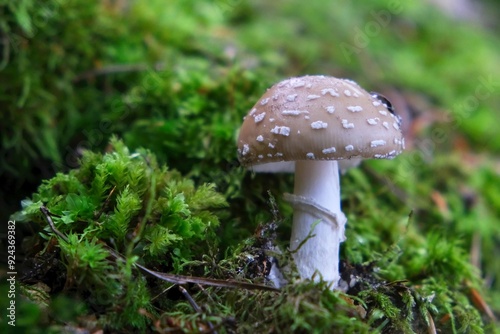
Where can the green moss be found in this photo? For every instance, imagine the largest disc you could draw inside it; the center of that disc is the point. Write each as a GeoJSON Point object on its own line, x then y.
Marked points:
{"type": "Point", "coordinates": [174, 82]}
{"type": "Point", "coordinates": [126, 200]}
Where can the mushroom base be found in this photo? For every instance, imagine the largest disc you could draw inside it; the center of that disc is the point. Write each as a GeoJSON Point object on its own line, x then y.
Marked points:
{"type": "Point", "coordinates": [318, 222]}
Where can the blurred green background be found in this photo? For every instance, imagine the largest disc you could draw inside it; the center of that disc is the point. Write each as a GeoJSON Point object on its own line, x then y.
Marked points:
{"type": "Point", "coordinates": [177, 77]}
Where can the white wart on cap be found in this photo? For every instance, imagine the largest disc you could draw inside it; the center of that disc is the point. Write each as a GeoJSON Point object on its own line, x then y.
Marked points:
{"type": "Point", "coordinates": [318, 118]}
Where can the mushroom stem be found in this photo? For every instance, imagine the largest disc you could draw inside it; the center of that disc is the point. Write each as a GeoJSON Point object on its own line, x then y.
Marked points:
{"type": "Point", "coordinates": [318, 180]}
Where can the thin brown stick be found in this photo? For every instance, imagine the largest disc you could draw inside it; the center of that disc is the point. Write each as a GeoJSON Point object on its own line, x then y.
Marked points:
{"type": "Point", "coordinates": [46, 213]}
{"type": "Point", "coordinates": [180, 279]}
{"type": "Point", "coordinates": [195, 306]}
{"type": "Point", "coordinates": [190, 299]}
{"type": "Point", "coordinates": [106, 202]}
{"type": "Point", "coordinates": [171, 278]}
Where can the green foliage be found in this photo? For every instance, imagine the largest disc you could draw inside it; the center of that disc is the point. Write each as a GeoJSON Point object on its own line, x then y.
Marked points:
{"type": "Point", "coordinates": [302, 307]}
{"type": "Point", "coordinates": [66, 309]}
{"type": "Point", "coordinates": [176, 79]}
{"type": "Point", "coordinates": [175, 220]}
{"type": "Point", "coordinates": [308, 308]}
{"type": "Point", "coordinates": [127, 200]}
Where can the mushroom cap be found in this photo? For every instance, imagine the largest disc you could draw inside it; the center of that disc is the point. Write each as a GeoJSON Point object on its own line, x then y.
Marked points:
{"type": "Point", "coordinates": [318, 118]}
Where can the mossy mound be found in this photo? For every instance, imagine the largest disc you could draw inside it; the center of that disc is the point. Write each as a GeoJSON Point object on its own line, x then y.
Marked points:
{"type": "Point", "coordinates": [173, 81]}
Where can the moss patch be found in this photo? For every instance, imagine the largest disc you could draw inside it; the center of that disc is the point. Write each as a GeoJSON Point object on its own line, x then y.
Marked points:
{"type": "Point", "coordinates": [173, 82]}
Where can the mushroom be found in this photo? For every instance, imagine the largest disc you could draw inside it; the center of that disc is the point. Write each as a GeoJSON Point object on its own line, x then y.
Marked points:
{"type": "Point", "coordinates": [307, 124]}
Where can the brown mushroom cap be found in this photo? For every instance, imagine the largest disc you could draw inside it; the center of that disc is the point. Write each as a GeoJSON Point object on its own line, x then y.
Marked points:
{"type": "Point", "coordinates": [318, 118]}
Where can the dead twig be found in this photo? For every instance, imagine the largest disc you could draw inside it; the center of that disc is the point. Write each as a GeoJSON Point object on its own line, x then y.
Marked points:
{"type": "Point", "coordinates": [171, 278]}
{"type": "Point", "coordinates": [106, 202]}
{"type": "Point", "coordinates": [195, 306]}
{"type": "Point", "coordinates": [47, 214]}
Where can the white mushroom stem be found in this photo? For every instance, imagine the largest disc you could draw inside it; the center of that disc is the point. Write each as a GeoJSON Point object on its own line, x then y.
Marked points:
{"type": "Point", "coordinates": [316, 198]}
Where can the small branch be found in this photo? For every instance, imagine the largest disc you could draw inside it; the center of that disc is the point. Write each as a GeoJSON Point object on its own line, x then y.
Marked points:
{"type": "Point", "coordinates": [106, 202]}
{"type": "Point", "coordinates": [138, 231]}
{"type": "Point", "coordinates": [171, 278]}
{"type": "Point", "coordinates": [195, 306]}
{"type": "Point", "coordinates": [46, 213]}
{"type": "Point", "coordinates": [180, 279]}
{"type": "Point", "coordinates": [190, 299]}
